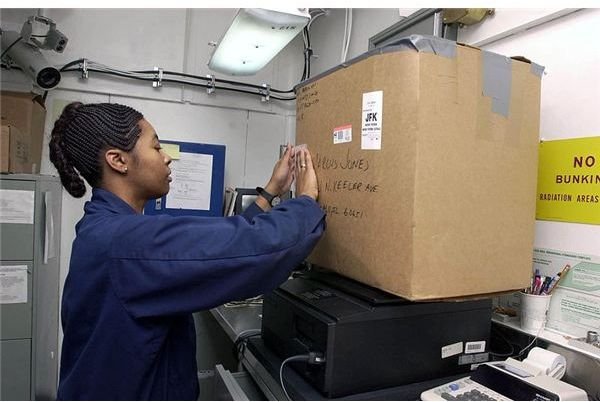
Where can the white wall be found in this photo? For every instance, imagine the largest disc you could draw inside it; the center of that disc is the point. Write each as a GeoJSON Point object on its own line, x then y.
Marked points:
{"type": "Point", "coordinates": [327, 33]}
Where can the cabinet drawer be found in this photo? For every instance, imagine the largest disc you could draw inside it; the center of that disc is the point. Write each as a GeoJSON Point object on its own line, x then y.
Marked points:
{"type": "Point", "coordinates": [235, 386]}
{"type": "Point", "coordinates": [16, 242]}
{"type": "Point", "coordinates": [15, 365]}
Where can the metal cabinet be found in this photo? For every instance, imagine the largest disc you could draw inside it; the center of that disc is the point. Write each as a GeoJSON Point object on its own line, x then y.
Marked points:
{"type": "Point", "coordinates": [30, 214]}
{"type": "Point", "coordinates": [237, 386]}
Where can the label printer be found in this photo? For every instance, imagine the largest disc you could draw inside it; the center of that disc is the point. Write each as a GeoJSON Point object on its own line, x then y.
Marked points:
{"type": "Point", "coordinates": [370, 339]}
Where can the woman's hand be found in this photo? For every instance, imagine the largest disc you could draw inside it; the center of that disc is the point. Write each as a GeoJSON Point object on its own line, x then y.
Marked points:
{"type": "Point", "coordinates": [306, 178]}
{"type": "Point", "coordinates": [283, 174]}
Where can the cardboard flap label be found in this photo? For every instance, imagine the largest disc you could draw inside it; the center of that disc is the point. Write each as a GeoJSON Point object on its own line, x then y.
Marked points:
{"type": "Point", "coordinates": [372, 119]}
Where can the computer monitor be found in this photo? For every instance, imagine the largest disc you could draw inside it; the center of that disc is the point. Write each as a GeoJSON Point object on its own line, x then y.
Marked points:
{"type": "Point", "coordinates": [245, 197]}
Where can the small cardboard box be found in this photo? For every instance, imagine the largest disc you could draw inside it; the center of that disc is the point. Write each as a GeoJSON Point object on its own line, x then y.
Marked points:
{"type": "Point", "coordinates": [426, 156]}
{"type": "Point", "coordinates": [15, 151]}
{"type": "Point", "coordinates": [23, 116]}
{"type": "Point", "coordinates": [4, 147]}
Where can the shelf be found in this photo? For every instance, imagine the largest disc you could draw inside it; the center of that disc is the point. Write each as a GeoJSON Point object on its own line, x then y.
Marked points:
{"type": "Point", "coordinates": [558, 338]}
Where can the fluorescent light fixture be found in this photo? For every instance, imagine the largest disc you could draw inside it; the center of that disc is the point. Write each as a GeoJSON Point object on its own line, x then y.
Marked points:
{"type": "Point", "coordinates": [255, 36]}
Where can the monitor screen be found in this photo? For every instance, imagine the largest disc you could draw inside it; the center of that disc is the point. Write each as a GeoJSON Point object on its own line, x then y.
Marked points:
{"type": "Point", "coordinates": [245, 197]}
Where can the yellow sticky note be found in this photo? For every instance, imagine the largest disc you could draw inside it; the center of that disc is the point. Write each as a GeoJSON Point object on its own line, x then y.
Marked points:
{"type": "Point", "coordinates": [170, 149]}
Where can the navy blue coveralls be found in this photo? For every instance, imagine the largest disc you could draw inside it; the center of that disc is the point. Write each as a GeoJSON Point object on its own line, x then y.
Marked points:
{"type": "Point", "coordinates": [134, 281]}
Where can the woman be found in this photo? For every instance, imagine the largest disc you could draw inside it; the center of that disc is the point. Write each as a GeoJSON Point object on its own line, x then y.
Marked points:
{"type": "Point", "coordinates": [134, 280]}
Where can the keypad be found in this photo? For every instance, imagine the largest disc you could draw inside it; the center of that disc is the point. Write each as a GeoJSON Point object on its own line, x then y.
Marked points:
{"type": "Point", "coordinates": [467, 390]}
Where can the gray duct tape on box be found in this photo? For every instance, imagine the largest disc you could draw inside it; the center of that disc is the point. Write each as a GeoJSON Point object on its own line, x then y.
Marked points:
{"type": "Point", "coordinates": [497, 80]}
{"type": "Point", "coordinates": [424, 43]}
{"type": "Point", "coordinates": [537, 69]}
{"type": "Point", "coordinates": [419, 43]}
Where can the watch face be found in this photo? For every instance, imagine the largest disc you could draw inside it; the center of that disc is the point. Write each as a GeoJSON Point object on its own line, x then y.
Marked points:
{"type": "Point", "coordinates": [275, 201]}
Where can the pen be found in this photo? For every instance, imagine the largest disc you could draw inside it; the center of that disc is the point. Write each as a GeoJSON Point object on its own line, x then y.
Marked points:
{"type": "Point", "coordinates": [551, 282]}
{"type": "Point", "coordinates": [545, 285]}
{"type": "Point", "coordinates": [537, 285]}
{"type": "Point", "coordinates": [561, 275]}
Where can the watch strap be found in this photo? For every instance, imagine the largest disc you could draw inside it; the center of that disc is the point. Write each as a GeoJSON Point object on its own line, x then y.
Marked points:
{"type": "Point", "coordinates": [266, 195]}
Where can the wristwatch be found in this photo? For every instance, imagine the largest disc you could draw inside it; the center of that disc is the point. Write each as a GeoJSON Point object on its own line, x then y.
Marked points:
{"type": "Point", "coordinates": [271, 199]}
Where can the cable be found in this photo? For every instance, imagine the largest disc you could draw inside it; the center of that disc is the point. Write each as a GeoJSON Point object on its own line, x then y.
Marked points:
{"type": "Point", "coordinates": [532, 342]}
{"type": "Point", "coordinates": [72, 63]}
{"type": "Point", "coordinates": [502, 355]}
{"type": "Point", "coordinates": [296, 358]}
{"type": "Point", "coordinates": [310, 358]}
{"type": "Point", "coordinates": [149, 75]}
{"type": "Point", "coordinates": [342, 59]}
{"type": "Point", "coordinates": [252, 301]}
{"type": "Point", "coordinates": [349, 33]}
{"type": "Point", "coordinates": [10, 46]}
{"type": "Point", "coordinates": [304, 53]}
{"type": "Point", "coordinates": [314, 18]}
{"type": "Point", "coordinates": [239, 345]}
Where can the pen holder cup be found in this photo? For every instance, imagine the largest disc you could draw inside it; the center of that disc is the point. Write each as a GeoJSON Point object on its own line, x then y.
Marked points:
{"type": "Point", "coordinates": [534, 309]}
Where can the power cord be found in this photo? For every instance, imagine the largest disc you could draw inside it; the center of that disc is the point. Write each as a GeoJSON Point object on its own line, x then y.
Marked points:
{"type": "Point", "coordinates": [310, 358]}
{"type": "Point", "coordinates": [532, 342]}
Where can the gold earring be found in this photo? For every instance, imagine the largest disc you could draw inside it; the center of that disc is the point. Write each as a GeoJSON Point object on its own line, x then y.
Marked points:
{"type": "Point", "coordinates": [125, 170]}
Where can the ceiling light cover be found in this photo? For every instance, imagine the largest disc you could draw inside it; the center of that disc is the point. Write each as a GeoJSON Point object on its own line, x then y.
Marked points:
{"type": "Point", "coordinates": [256, 36]}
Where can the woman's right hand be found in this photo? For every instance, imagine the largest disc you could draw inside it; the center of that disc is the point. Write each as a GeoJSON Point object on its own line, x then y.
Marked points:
{"type": "Point", "coordinates": [306, 178]}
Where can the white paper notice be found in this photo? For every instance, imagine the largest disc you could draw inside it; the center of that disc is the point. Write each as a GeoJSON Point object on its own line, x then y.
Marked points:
{"type": "Point", "coordinates": [48, 228]}
{"type": "Point", "coordinates": [192, 180]}
{"type": "Point", "coordinates": [372, 119]}
{"type": "Point", "coordinates": [16, 206]}
{"type": "Point", "coordinates": [575, 303]}
{"type": "Point", "coordinates": [13, 284]}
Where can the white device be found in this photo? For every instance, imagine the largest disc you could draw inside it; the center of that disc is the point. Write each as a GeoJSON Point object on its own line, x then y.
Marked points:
{"type": "Point", "coordinates": [255, 36]}
{"type": "Point", "coordinates": [501, 381]}
{"type": "Point", "coordinates": [24, 50]}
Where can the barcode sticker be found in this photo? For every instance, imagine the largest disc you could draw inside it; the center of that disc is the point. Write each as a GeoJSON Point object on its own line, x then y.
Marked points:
{"type": "Point", "coordinates": [342, 134]}
{"type": "Point", "coordinates": [475, 347]}
{"type": "Point", "coordinates": [452, 350]}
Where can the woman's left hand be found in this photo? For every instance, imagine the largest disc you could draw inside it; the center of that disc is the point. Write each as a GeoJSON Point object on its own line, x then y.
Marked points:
{"type": "Point", "coordinates": [283, 174]}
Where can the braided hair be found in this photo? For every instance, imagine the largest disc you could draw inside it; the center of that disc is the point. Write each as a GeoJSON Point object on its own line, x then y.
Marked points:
{"type": "Point", "coordinates": [82, 133]}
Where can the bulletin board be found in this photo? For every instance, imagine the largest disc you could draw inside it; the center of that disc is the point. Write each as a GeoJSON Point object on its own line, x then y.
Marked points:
{"type": "Point", "coordinates": [198, 172]}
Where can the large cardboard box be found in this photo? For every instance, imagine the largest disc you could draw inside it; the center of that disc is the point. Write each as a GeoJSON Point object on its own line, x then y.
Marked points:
{"type": "Point", "coordinates": [426, 156]}
{"type": "Point", "coordinates": [22, 116]}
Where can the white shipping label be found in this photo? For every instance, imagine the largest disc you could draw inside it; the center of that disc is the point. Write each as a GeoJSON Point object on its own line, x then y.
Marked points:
{"type": "Point", "coordinates": [16, 206]}
{"type": "Point", "coordinates": [452, 350]}
{"type": "Point", "coordinates": [475, 347]}
{"type": "Point", "coordinates": [372, 120]}
{"type": "Point", "coordinates": [342, 134]}
{"type": "Point", "coordinates": [13, 284]}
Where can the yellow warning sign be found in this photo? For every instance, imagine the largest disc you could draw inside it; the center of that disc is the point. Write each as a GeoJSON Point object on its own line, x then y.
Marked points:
{"type": "Point", "coordinates": [569, 180]}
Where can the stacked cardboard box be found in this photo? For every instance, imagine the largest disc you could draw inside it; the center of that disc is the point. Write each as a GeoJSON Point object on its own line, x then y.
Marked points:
{"type": "Point", "coordinates": [22, 132]}
{"type": "Point", "coordinates": [426, 155]}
